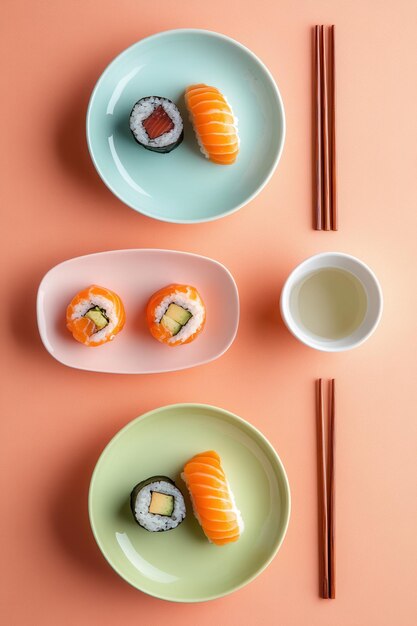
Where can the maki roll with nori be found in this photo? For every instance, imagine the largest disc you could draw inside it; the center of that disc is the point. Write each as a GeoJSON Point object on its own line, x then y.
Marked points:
{"type": "Point", "coordinates": [157, 504]}
{"type": "Point", "coordinates": [156, 124]}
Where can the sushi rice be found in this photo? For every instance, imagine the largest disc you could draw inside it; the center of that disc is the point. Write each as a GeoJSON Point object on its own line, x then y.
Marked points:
{"type": "Point", "coordinates": [142, 110]}
{"type": "Point", "coordinates": [156, 523]}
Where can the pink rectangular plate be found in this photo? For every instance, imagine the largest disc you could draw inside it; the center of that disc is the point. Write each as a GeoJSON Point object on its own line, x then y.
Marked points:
{"type": "Point", "coordinates": [135, 275]}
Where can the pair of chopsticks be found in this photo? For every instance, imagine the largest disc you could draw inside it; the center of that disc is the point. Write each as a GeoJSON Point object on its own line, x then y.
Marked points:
{"type": "Point", "coordinates": [326, 490]}
{"type": "Point", "coordinates": [325, 204]}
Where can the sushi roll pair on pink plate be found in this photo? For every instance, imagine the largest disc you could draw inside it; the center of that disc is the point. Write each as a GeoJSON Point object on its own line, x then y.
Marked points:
{"type": "Point", "coordinates": [175, 314]}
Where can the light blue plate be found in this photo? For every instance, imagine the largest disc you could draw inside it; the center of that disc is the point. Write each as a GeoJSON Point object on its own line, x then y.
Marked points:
{"type": "Point", "coordinates": [183, 186]}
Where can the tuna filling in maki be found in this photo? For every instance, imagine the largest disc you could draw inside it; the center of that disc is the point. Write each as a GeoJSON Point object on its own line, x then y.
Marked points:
{"type": "Point", "coordinates": [156, 124]}
{"type": "Point", "coordinates": [157, 504]}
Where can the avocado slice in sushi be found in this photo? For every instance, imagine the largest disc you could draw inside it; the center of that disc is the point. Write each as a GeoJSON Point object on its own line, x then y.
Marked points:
{"type": "Point", "coordinates": [161, 504]}
{"type": "Point", "coordinates": [171, 325]}
{"type": "Point", "coordinates": [178, 314]}
{"type": "Point", "coordinates": [97, 316]}
{"type": "Point", "coordinates": [157, 504]}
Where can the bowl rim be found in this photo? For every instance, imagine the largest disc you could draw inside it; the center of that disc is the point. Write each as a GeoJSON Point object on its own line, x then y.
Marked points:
{"type": "Point", "coordinates": [327, 346]}
{"type": "Point", "coordinates": [185, 31]}
{"type": "Point", "coordinates": [232, 417]}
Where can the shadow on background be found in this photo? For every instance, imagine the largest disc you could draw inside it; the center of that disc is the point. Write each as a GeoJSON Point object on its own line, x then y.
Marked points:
{"type": "Point", "coordinates": [263, 300]}
{"type": "Point", "coordinates": [22, 312]}
{"type": "Point", "coordinates": [69, 138]}
{"type": "Point", "coordinates": [67, 515]}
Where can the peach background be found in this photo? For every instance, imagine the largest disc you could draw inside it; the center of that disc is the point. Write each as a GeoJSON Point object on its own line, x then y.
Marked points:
{"type": "Point", "coordinates": [55, 421]}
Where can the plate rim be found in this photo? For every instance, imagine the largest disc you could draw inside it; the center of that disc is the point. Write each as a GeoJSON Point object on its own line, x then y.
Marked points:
{"type": "Point", "coordinates": [242, 422]}
{"type": "Point", "coordinates": [41, 327]}
{"type": "Point", "coordinates": [199, 31]}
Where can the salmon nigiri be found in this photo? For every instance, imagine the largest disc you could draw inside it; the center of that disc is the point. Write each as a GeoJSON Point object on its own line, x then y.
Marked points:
{"type": "Point", "coordinates": [212, 499]}
{"type": "Point", "coordinates": [95, 315]}
{"type": "Point", "coordinates": [214, 123]}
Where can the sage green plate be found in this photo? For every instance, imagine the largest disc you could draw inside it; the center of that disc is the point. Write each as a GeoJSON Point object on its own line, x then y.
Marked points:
{"type": "Point", "coordinates": [183, 186]}
{"type": "Point", "coordinates": [181, 565]}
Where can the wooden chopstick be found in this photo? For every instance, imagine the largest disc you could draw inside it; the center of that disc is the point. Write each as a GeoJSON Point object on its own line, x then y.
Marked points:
{"type": "Point", "coordinates": [332, 105]}
{"type": "Point", "coordinates": [318, 132]}
{"type": "Point", "coordinates": [326, 490]}
{"type": "Point", "coordinates": [325, 131]}
{"type": "Point", "coordinates": [325, 204]}
{"type": "Point", "coordinates": [331, 491]}
{"type": "Point", "coordinates": [322, 493]}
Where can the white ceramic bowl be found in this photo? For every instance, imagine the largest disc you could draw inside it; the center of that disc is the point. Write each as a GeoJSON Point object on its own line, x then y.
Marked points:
{"type": "Point", "coordinates": [369, 282]}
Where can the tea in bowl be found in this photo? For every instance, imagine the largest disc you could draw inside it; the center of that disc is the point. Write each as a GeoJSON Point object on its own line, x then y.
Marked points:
{"type": "Point", "coordinates": [331, 302]}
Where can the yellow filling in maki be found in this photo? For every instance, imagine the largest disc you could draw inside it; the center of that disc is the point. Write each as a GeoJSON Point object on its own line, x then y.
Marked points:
{"type": "Point", "coordinates": [161, 504]}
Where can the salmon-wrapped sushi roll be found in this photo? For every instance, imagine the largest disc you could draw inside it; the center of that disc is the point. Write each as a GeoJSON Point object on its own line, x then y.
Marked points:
{"type": "Point", "coordinates": [212, 499]}
{"type": "Point", "coordinates": [176, 314]}
{"type": "Point", "coordinates": [214, 123]}
{"type": "Point", "coordinates": [95, 316]}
